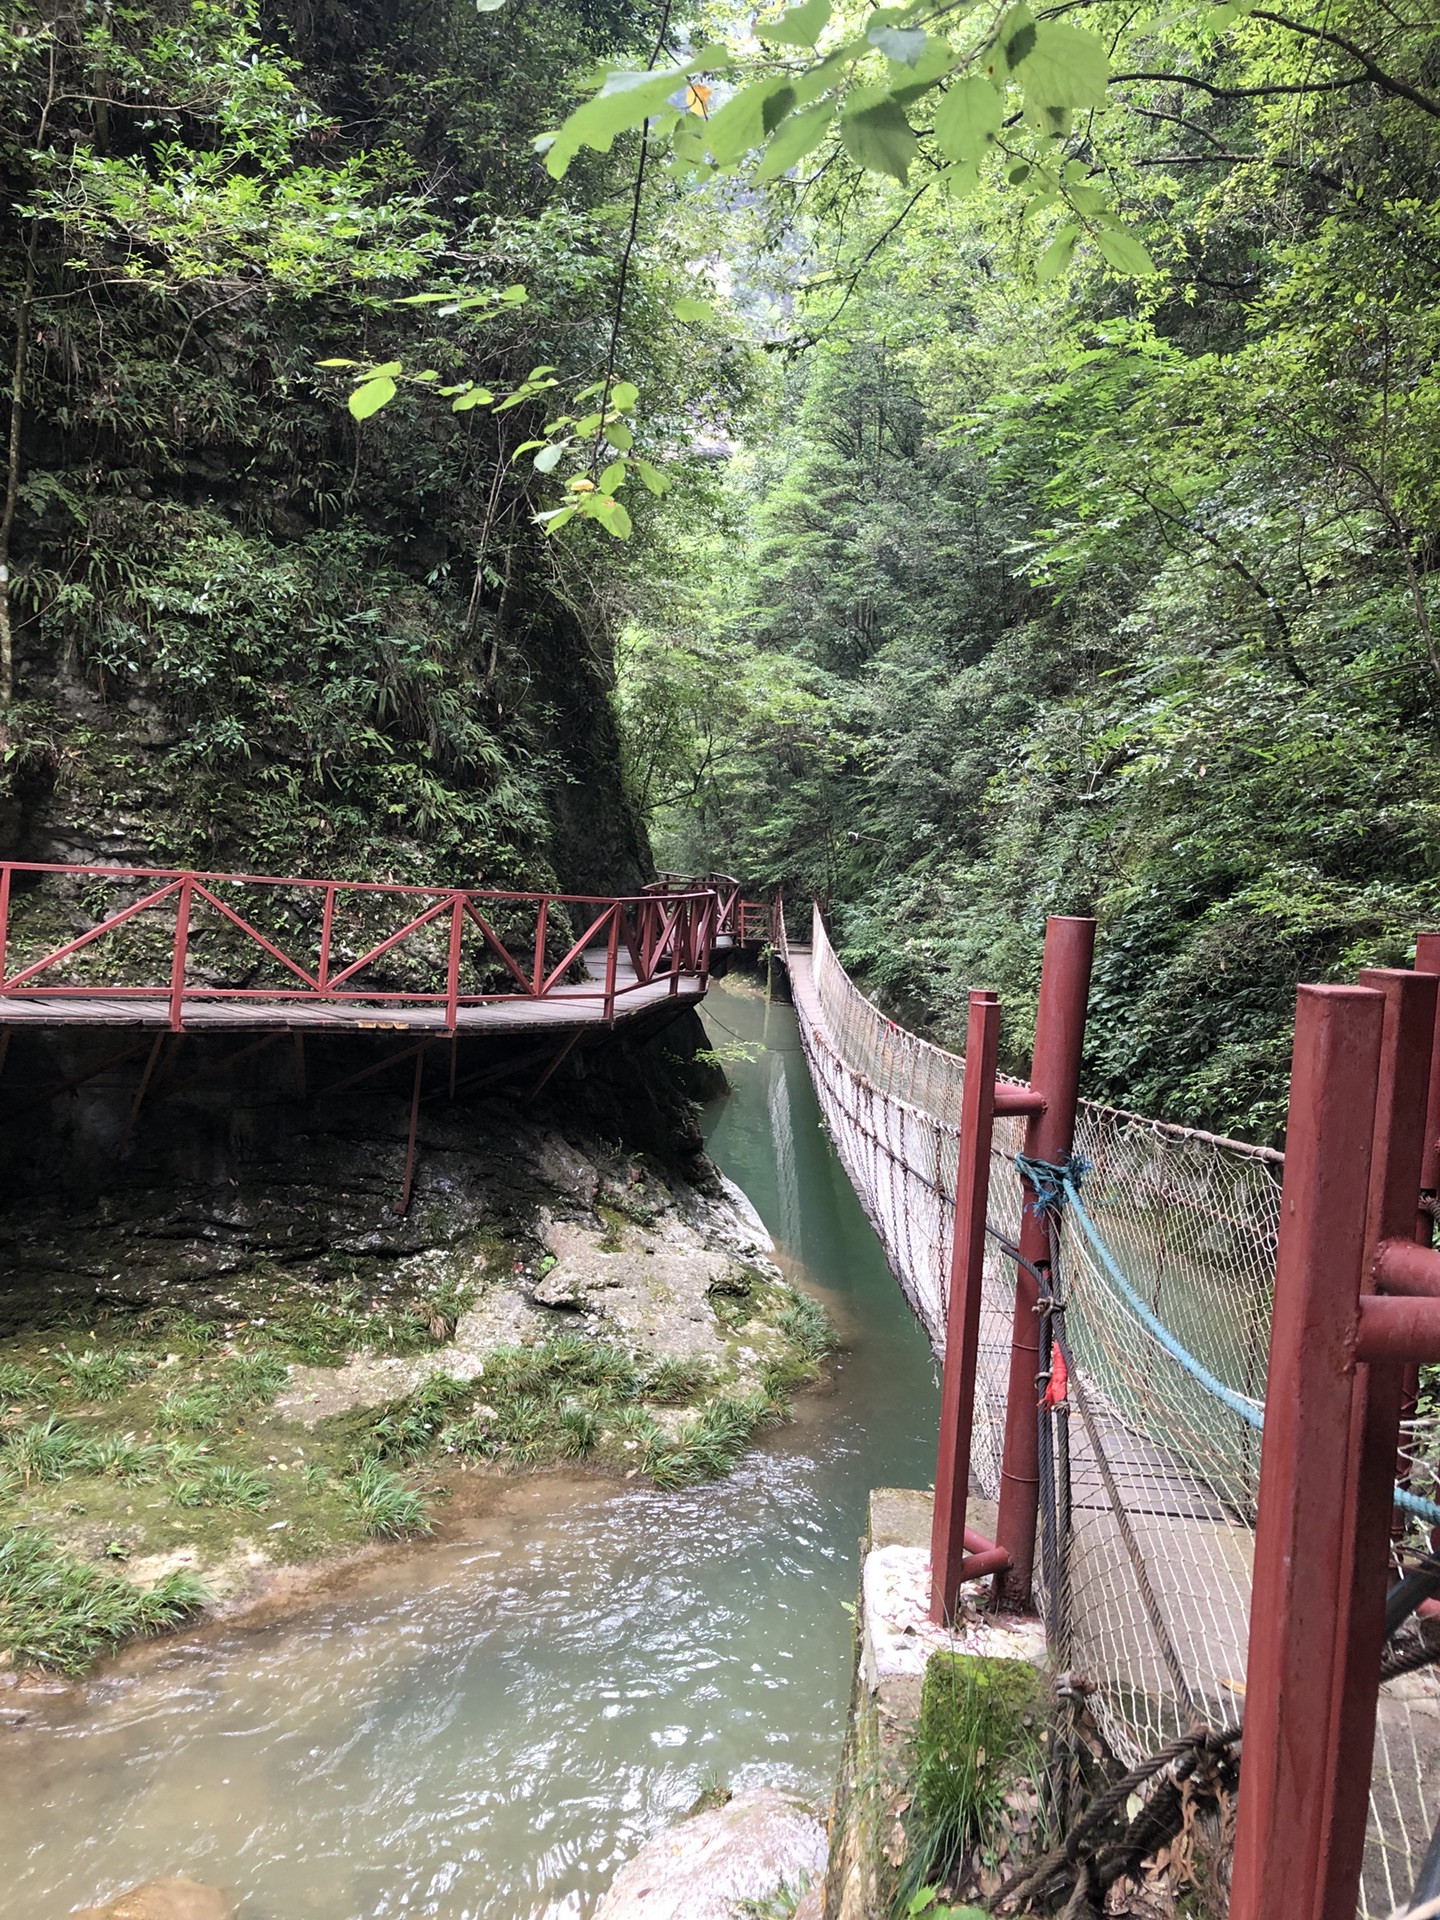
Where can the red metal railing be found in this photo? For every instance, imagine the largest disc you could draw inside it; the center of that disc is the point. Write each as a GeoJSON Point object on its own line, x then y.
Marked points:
{"type": "Point", "coordinates": [666, 934]}
{"type": "Point", "coordinates": [749, 923]}
{"type": "Point", "coordinates": [957, 1552]}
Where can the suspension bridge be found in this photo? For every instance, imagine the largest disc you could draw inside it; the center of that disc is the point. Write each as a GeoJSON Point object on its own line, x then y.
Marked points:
{"type": "Point", "coordinates": [1114, 1301]}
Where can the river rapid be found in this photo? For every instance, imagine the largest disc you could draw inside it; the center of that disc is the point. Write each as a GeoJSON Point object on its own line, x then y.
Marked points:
{"type": "Point", "coordinates": [486, 1727]}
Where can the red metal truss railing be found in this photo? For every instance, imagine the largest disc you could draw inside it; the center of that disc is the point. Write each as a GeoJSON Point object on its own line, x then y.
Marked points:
{"type": "Point", "coordinates": [667, 934]}
{"type": "Point", "coordinates": [746, 922]}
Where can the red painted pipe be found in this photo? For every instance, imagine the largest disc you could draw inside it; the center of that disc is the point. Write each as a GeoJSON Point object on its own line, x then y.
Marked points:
{"type": "Point", "coordinates": [1404, 1268]}
{"type": "Point", "coordinates": [1397, 1329]}
{"type": "Point", "coordinates": [975, 1566]}
{"type": "Point", "coordinates": [1012, 1099]}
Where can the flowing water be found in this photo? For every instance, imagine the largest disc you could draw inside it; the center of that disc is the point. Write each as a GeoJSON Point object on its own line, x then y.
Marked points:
{"type": "Point", "coordinates": [485, 1728]}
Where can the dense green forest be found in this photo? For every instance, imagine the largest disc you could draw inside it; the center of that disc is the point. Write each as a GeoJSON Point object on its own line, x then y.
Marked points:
{"type": "Point", "coordinates": [1053, 474]}
{"type": "Point", "coordinates": [1029, 592]}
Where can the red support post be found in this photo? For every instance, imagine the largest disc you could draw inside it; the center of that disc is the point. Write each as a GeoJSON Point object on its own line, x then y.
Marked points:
{"type": "Point", "coordinates": [709, 932]}
{"type": "Point", "coordinates": [1301, 1567]}
{"type": "Point", "coordinates": [1399, 1133]}
{"type": "Point", "coordinates": [541, 924]}
{"type": "Point", "coordinates": [611, 944]}
{"type": "Point", "coordinates": [1049, 1135]}
{"type": "Point", "coordinates": [452, 965]}
{"type": "Point", "coordinates": [177, 956]}
{"type": "Point", "coordinates": [4, 917]}
{"type": "Point", "coordinates": [1427, 960]}
{"type": "Point", "coordinates": [327, 924]}
{"type": "Point", "coordinates": [962, 1312]}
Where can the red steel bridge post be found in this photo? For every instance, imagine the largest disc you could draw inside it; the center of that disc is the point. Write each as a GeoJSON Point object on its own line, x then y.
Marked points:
{"type": "Point", "coordinates": [1049, 1135]}
{"type": "Point", "coordinates": [1358, 1096]}
{"type": "Point", "coordinates": [1427, 960]}
{"type": "Point", "coordinates": [958, 1554]}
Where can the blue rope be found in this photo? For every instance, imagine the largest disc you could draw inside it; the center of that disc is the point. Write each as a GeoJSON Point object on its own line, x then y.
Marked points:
{"type": "Point", "coordinates": [1252, 1412]}
{"type": "Point", "coordinates": [1412, 1503]}
{"type": "Point", "coordinates": [1048, 1179]}
{"type": "Point", "coordinates": [1052, 1181]}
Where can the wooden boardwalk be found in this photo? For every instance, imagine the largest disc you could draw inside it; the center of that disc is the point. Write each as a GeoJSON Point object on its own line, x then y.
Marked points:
{"type": "Point", "coordinates": [563, 1007]}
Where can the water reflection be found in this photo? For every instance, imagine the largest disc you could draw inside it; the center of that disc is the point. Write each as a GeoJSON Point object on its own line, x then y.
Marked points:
{"type": "Point", "coordinates": [485, 1729]}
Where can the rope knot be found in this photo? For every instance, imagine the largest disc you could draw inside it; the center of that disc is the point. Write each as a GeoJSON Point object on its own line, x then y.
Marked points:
{"type": "Point", "coordinates": [1050, 1178]}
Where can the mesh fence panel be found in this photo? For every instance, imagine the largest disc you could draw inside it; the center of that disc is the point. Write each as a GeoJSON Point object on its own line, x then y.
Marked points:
{"type": "Point", "coordinates": [1152, 1571]}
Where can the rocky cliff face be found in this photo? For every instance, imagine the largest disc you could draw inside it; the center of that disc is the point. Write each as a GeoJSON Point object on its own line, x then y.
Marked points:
{"type": "Point", "coordinates": [251, 632]}
{"type": "Point", "coordinates": [233, 1170]}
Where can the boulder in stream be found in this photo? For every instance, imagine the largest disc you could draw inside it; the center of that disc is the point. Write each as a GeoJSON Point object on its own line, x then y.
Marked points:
{"type": "Point", "coordinates": [176, 1897]}
{"type": "Point", "coordinates": [700, 1869]}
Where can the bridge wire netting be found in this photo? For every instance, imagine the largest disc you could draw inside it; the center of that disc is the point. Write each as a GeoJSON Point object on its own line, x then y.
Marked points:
{"type": "Point", "coordinates": [1167, 1267]}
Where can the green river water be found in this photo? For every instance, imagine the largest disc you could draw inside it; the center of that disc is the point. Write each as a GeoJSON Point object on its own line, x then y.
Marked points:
{"type": "Point", "coordinates": [487, 1727]}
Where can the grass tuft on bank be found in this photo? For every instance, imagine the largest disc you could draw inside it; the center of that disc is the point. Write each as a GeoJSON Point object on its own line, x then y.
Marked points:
{"type": "Point", "coordinates": [55, 1611]}
{"type": "Point", "coordinates": [979, 1743]}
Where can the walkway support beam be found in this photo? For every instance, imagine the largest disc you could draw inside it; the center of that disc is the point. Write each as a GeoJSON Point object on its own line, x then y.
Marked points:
{"type": "Point", "coordinates": [949, 1566]}
{"type": "Point", "coordinates": [1049, 1136]}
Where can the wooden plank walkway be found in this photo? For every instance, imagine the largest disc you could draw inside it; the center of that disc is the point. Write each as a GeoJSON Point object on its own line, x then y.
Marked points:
{"type": "Point", "coordinates": [577, 1005]}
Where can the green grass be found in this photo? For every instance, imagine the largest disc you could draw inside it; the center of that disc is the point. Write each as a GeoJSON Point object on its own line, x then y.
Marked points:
{"type": "Point", "coordinates": [57, 1612]}
{"type": "Point", "coordinates": [388, 1508]}
{"type": "Point", "coordinates": [127, 1458]}
{"type": "Point", "coordinates": [225, 1486]}
{"type": "Point", "coordinates": [805, 1323]}
{"type": "Point", "coordinates": [677, 1378]}
{"type": "Point", "coordinates": [46, 1449]}
{"type": "Point", "coordinates": [977, 1738]}
{"type": "Point", "coordinates": [779, 1905]}
{"type": "Point", "coordinates": [708, 1445]}
{"type": "Point", "coordinates": [19, 1383]}
{"type": "Point", "coordinates": [137, 1437]}
{"type": "Point", "coordinates": [199, 1410]}
{"type": "Point", "coordinates": [100, 1373]}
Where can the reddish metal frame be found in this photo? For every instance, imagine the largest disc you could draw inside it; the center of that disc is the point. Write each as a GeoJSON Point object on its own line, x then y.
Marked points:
{"type": "Point", "coordinates": [1356, 1300]}
{"type": "Point", "coordinates": [957, 1553]}
{"type": "Point", "coordinates": [667, 933]}
{"type": "Point", "coordinates": [1053, 1094]}
{"type": "Point", "coordinates": [746, 922]}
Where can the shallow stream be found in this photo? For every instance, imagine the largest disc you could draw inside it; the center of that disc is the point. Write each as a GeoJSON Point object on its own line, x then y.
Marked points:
{"type": "Point", "coordinates": [486, 1727]}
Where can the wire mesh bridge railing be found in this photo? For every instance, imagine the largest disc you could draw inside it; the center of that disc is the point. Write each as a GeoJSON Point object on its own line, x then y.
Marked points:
{"type": "Point", "coordinates": [1166, 1255]}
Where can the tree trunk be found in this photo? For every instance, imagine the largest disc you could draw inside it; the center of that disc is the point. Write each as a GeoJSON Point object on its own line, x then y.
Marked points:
{"type": "Point", "coordinates": [12, 482]}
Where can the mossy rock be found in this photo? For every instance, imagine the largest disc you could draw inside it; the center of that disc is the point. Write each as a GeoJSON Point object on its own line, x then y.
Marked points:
{"type": "Point", "coordinates": [977, 1738]}
{"type": "Point", "coordinates": [961, 1690]}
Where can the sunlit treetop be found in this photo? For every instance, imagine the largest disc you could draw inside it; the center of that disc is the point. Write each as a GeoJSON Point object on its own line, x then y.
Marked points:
{"type": "Point", "coordinates": [964, 95]}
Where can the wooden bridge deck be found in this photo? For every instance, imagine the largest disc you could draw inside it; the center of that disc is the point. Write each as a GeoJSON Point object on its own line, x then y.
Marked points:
{"type": "Point", "coordinates": [563, 1007]}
